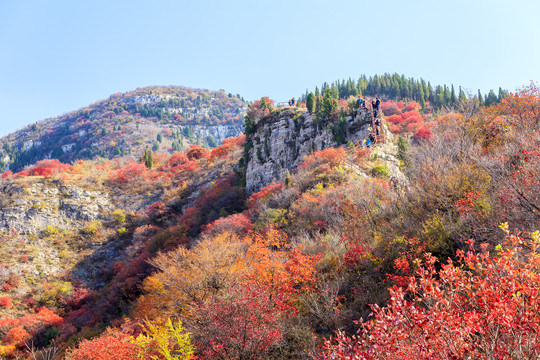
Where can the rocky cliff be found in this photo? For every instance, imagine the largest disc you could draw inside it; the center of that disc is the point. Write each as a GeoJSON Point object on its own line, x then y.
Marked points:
{"type": "Point", "coordinates": [31, 208]}
{"type": "Point", "coordinates": [280, 141]}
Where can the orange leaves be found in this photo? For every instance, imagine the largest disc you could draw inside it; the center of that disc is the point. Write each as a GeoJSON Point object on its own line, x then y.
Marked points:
{"type": "Point", "coordinates": [196, 152]}
{"type": "Point", "coordinates": [16, 336]}
{"type": "Point", "coordinates": [106, 347]}
{"type": "Point", "coordinates": [330, 157]}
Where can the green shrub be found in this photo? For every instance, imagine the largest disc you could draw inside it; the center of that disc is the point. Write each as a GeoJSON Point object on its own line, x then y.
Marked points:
{"type": "Point", "coordinates": [380, 171]}
{"type": "Point", "coordinates": [50, 230]}
{"type": "Point", "coordinates": [119, 216]}
{"type": "Point", "coordinates": [92, 228]}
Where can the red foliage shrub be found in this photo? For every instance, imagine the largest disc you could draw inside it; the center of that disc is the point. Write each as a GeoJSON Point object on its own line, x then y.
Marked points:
{"type": "Point", "coordinates": [221, 151]}
{"type": "Point", "coordinates": [46, 168]}
{"type": "Point", "coordinates": [196, 152]}
{"type": "Point", "coordinates": [413, 105]}
{"type": "Point", "coordinates": [395, 119]}
{"type": "Point", "coordinates": [13, 280]}
{"type": "Point", "coordinates": [260, 108]}
{"type": "Point", "coordinates": [106, 347]}
{"type": "Point", "coordinates": [16, 336]}
{"type": "Point", "coordinates": [263, 194]}
{"type": "Point", "coordinates": [6, 302]}
{"type": "Point", "coordinates": [129, 172]}
{"type": "Point", "coordinates": [156, 209]}
{"type": "Point", "coordinates": [330, 156]}
{"type": "Point", "coordinates": [242, 325]}
{"type": "Point", "coordinates": [413, 113]}
{"type": "Point", "coordinates": [390, 108]}
{"type": "Point", "coordinates": [423, 134]}
{"type": "Point", "coordinates": [177, 158]}
{"type": "Point", "coordinates": [482, 307]}
{"type": "Point", "coordinates": [237, 223]}
{"type": "Point", "coordinates": [7, 174]}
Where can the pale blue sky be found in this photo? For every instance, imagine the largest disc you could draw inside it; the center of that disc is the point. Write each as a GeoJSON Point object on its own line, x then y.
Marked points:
{"type": "Point", "coordinates": [58, 56]}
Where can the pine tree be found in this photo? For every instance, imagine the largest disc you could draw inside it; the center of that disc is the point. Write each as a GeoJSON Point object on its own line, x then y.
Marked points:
{"type": "Point", "coordinates": [149, 160]}
{"type": "Point", "coordinates": [310, 102]}
{"type": "Point", "coordinates": [462, 96]}
{"type": "Point", "coordinates": [491, 98]}
{"type": "Point", "coordinates": [422, 99]}
{"type": "Point", "coordinates": [502, 95]}
{"type": "Point", "coordinates": [287, 178]}
{"type": "Point", "coordinates": [453, 98]}
{"type": "Point", "coordinates": [480, 98]}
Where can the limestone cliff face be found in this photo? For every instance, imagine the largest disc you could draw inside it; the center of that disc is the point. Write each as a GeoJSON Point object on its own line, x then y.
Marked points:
{"type": "Point", "coordinates": [281, 141]}
{"type": "Point", "coordinates": [30, 208]}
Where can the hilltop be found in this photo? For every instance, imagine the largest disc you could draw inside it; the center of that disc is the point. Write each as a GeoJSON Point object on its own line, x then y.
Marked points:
{"type": "Point", "coordinates": [164, 119]}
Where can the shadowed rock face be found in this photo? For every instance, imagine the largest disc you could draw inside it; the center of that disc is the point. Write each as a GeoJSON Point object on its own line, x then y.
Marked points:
{"type": "Point", "coordinates": [282, 140]}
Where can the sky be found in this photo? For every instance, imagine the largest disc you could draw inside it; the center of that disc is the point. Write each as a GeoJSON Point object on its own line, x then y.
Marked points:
{"type": "Point", "coordinates": [58, 56]}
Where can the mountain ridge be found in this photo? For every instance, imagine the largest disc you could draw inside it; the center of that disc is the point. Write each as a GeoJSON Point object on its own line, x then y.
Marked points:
{"type": "Point", "coordinates": [164, 119]}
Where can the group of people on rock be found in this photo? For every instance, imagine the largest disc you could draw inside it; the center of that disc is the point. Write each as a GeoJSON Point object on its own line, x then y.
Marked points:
{"type": "Point", "coordinates": [375, 103]}
{"type": "Point", "coordinates": [368, 142]}
{"type": "Point", "coordinates": [291, 102]}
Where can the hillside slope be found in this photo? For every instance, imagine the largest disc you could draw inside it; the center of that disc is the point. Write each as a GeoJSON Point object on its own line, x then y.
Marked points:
{"type": "Point", "coordinates": [160, 118]}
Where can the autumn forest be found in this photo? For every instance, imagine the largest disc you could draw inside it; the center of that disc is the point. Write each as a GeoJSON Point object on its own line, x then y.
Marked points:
{"type": "Point", "coordinates": [140, 241]}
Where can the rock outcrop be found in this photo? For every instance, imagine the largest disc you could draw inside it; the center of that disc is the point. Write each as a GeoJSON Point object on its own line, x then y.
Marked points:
{"type": "Point", "coordinates": [31, 208]}
{"type": "Point", "coordinates": [280, 141]}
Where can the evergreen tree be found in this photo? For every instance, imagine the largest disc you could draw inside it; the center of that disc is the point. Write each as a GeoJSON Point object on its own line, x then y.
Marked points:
{"type": "Point", "coordinates": [422, 99]}
{"type": "Point", "coordinates": [287, 178]}
{"type": "Point", "coordinates": [159, 138]}
{"type": "Point", "coordinates": [462, 96]}
{"type": "Point", "coordinates": [453, 98]}
{"type": "Point", "coordinates": [480, 98]}
{"type": "Point", "coordinates": [430, 94]}
{"type": "Point", "coordinates": [310, 102]}
{"type": "Point", "coordinates": [150, 160]}
{"type": "Point", "coordinates": [447, 96]}
{"type": "Point", "coordinates": [502, 95]}
{"type": "Point", "coordinates": [491, 98]}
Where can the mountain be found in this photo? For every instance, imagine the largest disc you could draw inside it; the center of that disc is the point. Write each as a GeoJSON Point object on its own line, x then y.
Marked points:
{"type": "Point", "coordinates": [163, 119]}
{"type": "Point", "coordinates": [293, 240]}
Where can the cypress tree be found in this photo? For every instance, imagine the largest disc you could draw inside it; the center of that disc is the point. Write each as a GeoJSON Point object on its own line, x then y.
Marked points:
{"type": "Point", "coordinates": [150, 160]}
{"type": "Point", "coordinates": [480, 98]}
{"type": "Point", "coordinates": [462, 96]}
{"type": "Point", "coordinates": [287, 178]}
{"type": "Point", "coordinates": [422, 99]}
{"type": "Point", "coordinates": [310, 102]}
{"type": "Point", "coordinates": [453, 98]}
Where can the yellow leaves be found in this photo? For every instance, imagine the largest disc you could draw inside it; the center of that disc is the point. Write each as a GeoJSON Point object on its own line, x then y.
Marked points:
{"type": "Point", "coordinates": [504, 227]}
{"type": "Point", "coordinates": [192, 275]}
{"type": "Point", "coordinates": [168, 339]}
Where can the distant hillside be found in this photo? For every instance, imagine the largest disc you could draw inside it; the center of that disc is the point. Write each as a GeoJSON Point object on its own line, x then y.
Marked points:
{"type": "Point", "coordinates": [159, 118]}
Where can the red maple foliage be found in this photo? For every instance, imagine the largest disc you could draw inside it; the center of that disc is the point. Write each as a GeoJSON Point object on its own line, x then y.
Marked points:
{"type": "Point", "coordinates": [107, 347]}
{"type": "Point", "coordinates": [485, 306]}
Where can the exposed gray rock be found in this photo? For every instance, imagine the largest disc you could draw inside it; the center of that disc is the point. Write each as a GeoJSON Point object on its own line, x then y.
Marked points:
{"type": "Point", "coordinates": [30, 209]}
{"type": "Point", "coordinates": [281, 141]}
